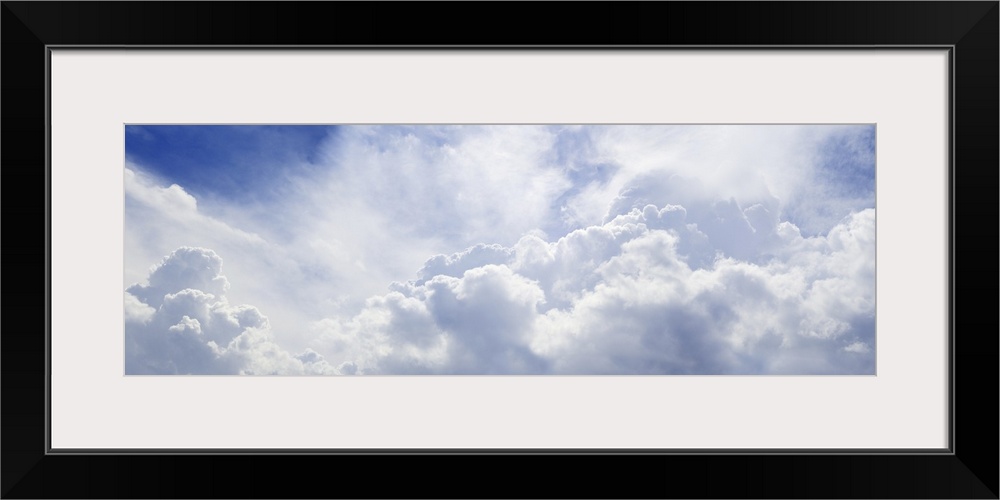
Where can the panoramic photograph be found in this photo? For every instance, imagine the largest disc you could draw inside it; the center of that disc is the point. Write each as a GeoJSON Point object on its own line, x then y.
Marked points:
{"type": "Point", "coordinates": [558, 249]}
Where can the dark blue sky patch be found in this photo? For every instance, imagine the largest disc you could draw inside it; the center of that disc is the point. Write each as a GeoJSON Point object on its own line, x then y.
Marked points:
{"type": "Point", "coordinates": [240, 163]}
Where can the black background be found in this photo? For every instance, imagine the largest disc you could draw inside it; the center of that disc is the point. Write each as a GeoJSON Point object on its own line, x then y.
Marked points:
{"type": "Point", "coordinates": [971, 472]}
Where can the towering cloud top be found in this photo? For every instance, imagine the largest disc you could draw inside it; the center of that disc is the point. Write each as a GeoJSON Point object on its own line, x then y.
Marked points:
{"type": "Point", "coordinates": [181, 323]}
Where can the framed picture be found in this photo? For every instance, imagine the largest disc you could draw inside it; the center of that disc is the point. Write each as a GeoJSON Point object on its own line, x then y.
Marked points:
{"type": "Point", "coordinates": [779, 307]}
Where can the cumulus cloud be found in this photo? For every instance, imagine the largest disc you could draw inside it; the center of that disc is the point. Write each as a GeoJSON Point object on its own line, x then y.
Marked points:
{"type": "Point", "coordinates": [180, 322]}
{"type": "Point", "coordinates": [161, 217]}
{"type": "Point", "coordinates": [299, 278]}
{"type": "Point", "coordinates": [456, 264]}
{"type": "Point", "coordinates": [621, 298]}
{"type": "Point", "coordinates": [479, 323]}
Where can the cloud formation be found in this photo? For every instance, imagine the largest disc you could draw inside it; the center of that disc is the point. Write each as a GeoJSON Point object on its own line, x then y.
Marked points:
{"type": "Point", "coordinates": [597, 250]}
{"type": "Point", "coordinates": [180, 322]}
{"type": "Point", "coordinates": [621, 298]}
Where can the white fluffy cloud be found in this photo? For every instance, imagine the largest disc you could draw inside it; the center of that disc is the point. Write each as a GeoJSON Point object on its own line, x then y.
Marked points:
{"type": "Point", "coordinates": [180, 322]}
{"type": "Point", "coordinates": [299, 278]}
{"type": "Point", "coordinates": [620, 298]}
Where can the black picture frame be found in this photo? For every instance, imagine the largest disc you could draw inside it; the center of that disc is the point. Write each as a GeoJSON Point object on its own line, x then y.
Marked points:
{"type": "Point", "coordinates": [968, 470]}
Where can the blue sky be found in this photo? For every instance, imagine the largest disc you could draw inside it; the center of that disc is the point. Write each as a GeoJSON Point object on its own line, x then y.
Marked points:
{"type": "Point", "coordinates": [238, 163]}
{"type": "Point", "coordinates": [559, 249]}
